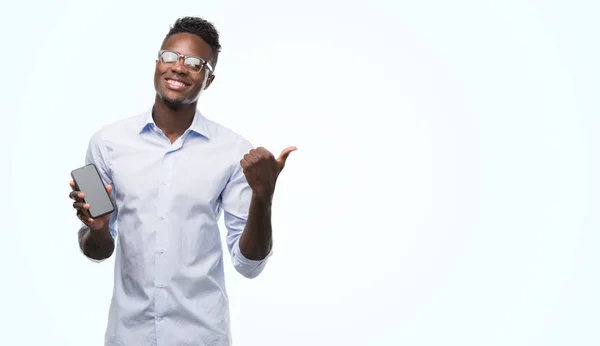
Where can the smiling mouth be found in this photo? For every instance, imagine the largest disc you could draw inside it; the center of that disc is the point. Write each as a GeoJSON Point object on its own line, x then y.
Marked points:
{"type": "Point", "coordinates": [176, 85]}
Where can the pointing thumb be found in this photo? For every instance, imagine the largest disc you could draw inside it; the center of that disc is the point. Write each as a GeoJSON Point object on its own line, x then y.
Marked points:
{"type": "Point", "coordinates": [284, 155]}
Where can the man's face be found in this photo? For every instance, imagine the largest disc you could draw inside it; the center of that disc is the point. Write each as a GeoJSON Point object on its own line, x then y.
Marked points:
{"type": "Point", "coordinates": [177, 84]}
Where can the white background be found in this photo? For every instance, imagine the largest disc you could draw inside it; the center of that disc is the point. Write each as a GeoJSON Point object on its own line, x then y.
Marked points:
{"type": "Point", "coordinates": [445, 189]}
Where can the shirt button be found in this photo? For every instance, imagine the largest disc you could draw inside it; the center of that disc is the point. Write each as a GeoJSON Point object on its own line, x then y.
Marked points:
{"type": "Point", "coordinates": [157, 318]}
{"type": "Point", "coordinates": [161, 250]}
{"type": "Point", "coordinates": [164, 217]}
{"type": "Point", "coordinates": [161, 286]}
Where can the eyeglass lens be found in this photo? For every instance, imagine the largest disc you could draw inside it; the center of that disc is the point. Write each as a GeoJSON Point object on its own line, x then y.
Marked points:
{"type": "Point", "coordinates": [191, 62]}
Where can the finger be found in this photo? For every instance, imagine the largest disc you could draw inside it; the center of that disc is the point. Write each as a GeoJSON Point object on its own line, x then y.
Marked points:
{"type": "Point", "coordinates": [252, 157]}
{"type": "Point", "coordinates": [263, 150]}
{"type": "Point", "coordinates": [258, 154]}
{"type": "Point", "coordinates": [73, 185]}
{"type": "Point", "coordinates": [109, 188]}
{"type": "Point", "coordinates": [84, 217]}
{"type": "Point", "coordinates": [284, 155]}
{"type": "Point", "coordinates": [76, 195]}
{"type": "Point", "coordinates": [264, 153]}
{"type": "Point", "coordinates": [248, 158]}
{"type": "Point", "coordinates": [82, 206]}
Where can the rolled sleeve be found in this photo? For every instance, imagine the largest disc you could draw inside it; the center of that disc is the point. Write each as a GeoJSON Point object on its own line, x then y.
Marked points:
{"type": "Point", "coordinates": [236, 197]}
{"type": "Point", "coordinates": [247, 267]}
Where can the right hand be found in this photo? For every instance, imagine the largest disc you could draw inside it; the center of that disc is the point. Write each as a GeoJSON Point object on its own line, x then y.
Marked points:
{"type": "Point", "coordinates": [82, 208]}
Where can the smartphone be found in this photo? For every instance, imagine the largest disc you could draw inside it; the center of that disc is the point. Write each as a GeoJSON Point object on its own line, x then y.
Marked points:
{"type": "Point", "coordinates": [87, 180]}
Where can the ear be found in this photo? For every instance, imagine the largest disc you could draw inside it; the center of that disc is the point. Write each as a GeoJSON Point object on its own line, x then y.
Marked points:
{"type": "Point", "coordinates": [209, 81]}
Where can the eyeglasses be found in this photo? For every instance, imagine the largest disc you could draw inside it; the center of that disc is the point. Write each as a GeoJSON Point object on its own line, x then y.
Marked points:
{"type": "Point", "coordinates": [192, 63]}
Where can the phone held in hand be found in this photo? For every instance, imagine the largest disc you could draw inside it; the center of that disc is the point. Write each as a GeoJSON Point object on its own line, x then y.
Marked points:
{"type": "Point", "coordinates": [87, 180]}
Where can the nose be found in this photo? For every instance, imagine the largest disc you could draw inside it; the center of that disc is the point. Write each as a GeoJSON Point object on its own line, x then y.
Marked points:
{"type": "Point", "coordinates": [179, 66]}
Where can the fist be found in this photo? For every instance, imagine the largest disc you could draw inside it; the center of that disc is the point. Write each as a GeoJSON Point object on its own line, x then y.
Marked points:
{"type": "Point", "coordinates": [262, 169]}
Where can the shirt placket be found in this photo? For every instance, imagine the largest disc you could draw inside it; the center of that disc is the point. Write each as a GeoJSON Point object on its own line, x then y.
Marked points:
{"type": "Point", "coordinates": [162, 248]}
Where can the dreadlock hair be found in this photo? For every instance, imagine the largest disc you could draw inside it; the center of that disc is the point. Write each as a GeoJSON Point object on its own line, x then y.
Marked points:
{"type": "Point", "coordinates": [201, 28]}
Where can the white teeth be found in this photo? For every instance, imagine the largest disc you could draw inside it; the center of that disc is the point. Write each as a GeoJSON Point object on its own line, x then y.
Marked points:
{"type": "Point", "coordinates": [175, 83]}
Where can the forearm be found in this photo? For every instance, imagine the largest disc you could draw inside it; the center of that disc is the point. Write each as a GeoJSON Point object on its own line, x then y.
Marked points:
{"type": "Point", "coordinates": [97, 245]}
{"type": "Point", "coordinates": [256, 239]}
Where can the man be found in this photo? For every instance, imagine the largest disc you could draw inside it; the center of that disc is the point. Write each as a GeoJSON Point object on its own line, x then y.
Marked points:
{"type": "Point", "coordinates": [171, 173]}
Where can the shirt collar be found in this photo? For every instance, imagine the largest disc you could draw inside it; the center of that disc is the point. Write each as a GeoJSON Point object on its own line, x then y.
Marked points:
{"type": "Point", "coordinates": [199, 124]}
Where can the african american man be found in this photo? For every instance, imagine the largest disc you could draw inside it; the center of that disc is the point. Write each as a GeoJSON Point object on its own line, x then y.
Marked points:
{"type": "Point", "coordinates": [171, 173]}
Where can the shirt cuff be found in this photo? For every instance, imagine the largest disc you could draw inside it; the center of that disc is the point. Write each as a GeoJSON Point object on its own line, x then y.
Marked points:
{"type": "Point", "coordinates": [251, 263]}
{"type": "Point", "coordinates": [247, 267]}
{"type": "Point", "coordinates": [112, 231]}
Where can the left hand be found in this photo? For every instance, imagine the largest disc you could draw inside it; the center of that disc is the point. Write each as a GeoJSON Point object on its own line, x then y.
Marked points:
{"type": "Point", "coordinates": [262, 169]}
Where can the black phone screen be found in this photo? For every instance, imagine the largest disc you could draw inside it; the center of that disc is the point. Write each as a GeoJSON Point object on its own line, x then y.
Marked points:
{"type": "Point", "coordinates": [87, 180]}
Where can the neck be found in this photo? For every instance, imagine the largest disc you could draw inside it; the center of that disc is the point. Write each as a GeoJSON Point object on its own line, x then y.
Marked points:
{"type": "Point", "coordinates": [173, 121]}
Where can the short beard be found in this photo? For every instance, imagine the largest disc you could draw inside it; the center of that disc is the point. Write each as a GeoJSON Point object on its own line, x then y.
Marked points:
{"type": "Point", "coordinates": [172, 104]}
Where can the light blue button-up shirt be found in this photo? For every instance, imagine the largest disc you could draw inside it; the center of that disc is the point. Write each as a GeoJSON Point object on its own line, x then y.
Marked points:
{"type": "Point", "coordinates": [169, 284]}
